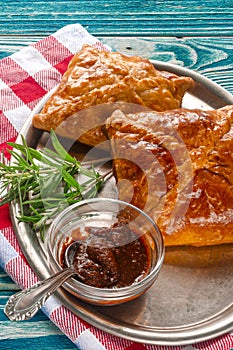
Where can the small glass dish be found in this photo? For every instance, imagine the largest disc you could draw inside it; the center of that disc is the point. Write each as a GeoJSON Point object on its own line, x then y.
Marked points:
{"type": "Point", "coordinates": [104, 214]}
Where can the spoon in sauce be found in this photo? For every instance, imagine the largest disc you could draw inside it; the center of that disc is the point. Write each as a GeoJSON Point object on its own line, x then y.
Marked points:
{"type": "Point", "coordinates": [26, 303]}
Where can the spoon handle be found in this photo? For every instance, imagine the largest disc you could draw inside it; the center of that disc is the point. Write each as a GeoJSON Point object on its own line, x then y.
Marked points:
{"type": "Point", "coordinates": [25, 304]}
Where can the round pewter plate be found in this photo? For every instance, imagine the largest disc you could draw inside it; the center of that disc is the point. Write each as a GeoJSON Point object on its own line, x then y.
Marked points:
{"type": "Point", "coordinates": [192, 300]}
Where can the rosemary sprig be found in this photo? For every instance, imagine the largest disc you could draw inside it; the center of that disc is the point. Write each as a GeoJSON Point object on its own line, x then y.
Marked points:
{"type": "Point", "coordinates": [45, 181]}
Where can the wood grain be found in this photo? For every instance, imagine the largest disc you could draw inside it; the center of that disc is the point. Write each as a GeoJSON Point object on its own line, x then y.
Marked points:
{"type": "Point", "coordinates": [193, 18]}
{"type": "Point", "coordinates": [212, 57]}
{"type": "Point", "coordinates": [6, 282]}
{"type": "Point", "coordinates": [38, 333]}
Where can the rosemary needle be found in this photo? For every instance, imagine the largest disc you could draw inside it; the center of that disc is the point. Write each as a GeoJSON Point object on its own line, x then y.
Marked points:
{"type": "Point", "coordinates": [44, 181]}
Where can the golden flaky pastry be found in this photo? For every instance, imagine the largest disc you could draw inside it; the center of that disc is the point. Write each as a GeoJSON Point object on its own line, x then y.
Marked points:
{"type": "Point", "coordinates": [97, 77]}
{"type": "Point", "coordinates": [178, 167]}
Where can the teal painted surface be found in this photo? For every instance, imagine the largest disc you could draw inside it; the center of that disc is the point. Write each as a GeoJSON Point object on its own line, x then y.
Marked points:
{"type": "Point", "coordinates": [211, 57]}
{"type": "Point", "coordinates": [181, 18]}
{"type": "Point", "coordinates": [38, 343]}
{"type": "Point", "coordinates": [35, 334]}
{"type": "Point", "coordinates": [195, 34]}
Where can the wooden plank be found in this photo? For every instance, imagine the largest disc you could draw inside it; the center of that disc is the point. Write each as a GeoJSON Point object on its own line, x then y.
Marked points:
{"type": "Point", "coordinates": [147, 26]}
{"type": "Point", "coordinates": [118, 7]}
{"type": "Point", "coordinates": [209, 56]}
{"type": "Point", "coordinates": [59, 342]}
{"type": "Point", "coordinates": [51, 342]}
{"type": "Point", "coordinates": [6, 282]}
{"type": "Point", "coordinates": [103, 18]}
{"type": "Point", "coordinates": [37, 333]}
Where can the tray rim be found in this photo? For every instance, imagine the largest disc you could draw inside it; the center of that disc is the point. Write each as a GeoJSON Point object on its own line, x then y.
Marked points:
{"type": "Point", "coordinates": [209, 328]}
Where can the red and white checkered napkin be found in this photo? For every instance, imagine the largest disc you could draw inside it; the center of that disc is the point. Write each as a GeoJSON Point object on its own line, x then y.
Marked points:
{"type": "Point", "coordinates": [25, 77]}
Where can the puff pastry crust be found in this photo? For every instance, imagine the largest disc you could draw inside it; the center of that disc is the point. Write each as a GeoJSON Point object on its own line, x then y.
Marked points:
{"type": "Point", "coordinates": [178, 167]}
{"type": "Point", "coordinates": [97, 77]}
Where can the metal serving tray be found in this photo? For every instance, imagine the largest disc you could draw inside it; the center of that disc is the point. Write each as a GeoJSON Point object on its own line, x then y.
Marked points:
{"type": "Point", "coordinates": [192, 300]}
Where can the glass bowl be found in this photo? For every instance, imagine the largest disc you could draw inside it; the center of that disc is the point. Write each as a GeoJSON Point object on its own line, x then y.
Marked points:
{"type": "Point", "coordinates": [123, 233]}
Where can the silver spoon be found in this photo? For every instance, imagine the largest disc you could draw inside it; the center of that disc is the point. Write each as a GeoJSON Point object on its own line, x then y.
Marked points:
{"type": "Point", "coordinates": [26, 303]}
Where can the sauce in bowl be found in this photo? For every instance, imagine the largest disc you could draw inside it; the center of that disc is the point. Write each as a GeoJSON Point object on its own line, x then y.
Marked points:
{"type": "Point", "coordinates": [109, 257]}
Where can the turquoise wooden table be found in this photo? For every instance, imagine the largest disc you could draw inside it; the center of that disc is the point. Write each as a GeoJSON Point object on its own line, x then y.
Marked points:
{"type": "Point", "coordinates": [195, 34]}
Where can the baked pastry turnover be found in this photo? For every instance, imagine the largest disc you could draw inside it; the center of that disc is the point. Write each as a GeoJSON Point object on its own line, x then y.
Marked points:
{"type": "Point", "coordinates": [178, 167]}
{"type": "Point", "coordinates": [97, 77]}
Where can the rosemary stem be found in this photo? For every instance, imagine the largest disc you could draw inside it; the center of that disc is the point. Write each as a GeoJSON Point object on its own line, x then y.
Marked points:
{"type": "Point", "coordinates": [44, 181]}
